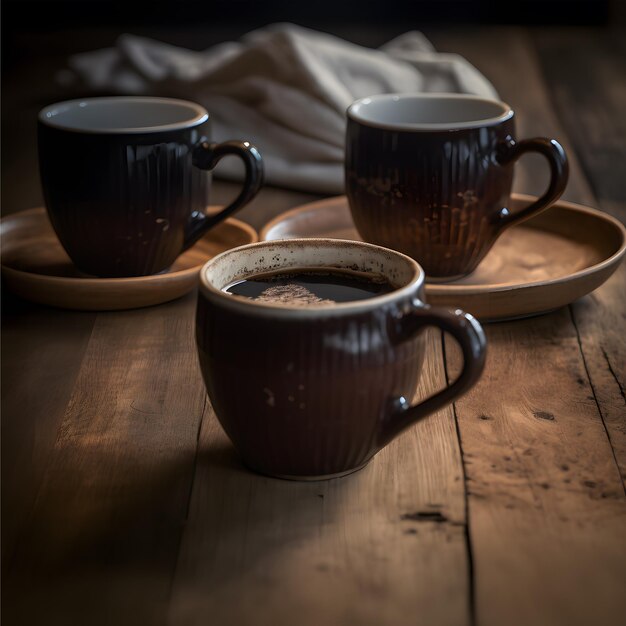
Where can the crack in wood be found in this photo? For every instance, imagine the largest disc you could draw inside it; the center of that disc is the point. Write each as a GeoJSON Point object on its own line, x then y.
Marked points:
{"type": "Point", "coordinates": [135, 408]}
{"type": "Point", "coordinates": [595, 397]}
{"type": "Point", "coordinates": [471, 575]}
{"type": "Point", "coordinates": [619, 384]}
{"type": "Point", "coordinates": [205, 410]}
{"type": "Point", "coordinates": [425, 516]}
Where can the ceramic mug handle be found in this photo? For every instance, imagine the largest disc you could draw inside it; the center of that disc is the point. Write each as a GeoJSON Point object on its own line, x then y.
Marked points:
{"type": "Point", "coordinates": [469, 335]}
{"type": "Point", "coordinates": [512, 150]}
{"type": "Point", "coordinates": [206, 156]}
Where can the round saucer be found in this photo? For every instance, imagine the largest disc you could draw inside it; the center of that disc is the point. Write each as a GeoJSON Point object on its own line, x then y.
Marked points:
{"type": "Point", "coordinates": [544, 263]}
{"type": "Point", "coordinates": [36, 267]}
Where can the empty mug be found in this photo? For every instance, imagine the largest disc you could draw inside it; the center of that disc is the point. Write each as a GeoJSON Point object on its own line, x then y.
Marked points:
{"type": "Point", "coordinates": [311, 392]}
{"type": "Point", "coordinates": [430, 175]}
{"type": "Point", "coordinates": [125, 180]}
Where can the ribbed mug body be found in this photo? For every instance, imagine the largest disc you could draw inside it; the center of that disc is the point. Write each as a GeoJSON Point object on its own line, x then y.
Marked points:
{"type": "Point", "coordinates": [120, 203]}
{"type": "Point", "coordinates": [306, 393]}
{"type": "Point", "coordinates": [435, 195]}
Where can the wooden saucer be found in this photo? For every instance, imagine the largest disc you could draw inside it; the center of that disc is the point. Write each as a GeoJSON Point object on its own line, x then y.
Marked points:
{"type": "Point", "coordinates": [36, 267]}
{"type": "Point", "coordinates": [547, 262]}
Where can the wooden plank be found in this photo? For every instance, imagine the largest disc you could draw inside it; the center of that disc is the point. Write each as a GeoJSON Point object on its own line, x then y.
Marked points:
{"type": "Point", "coordinates": [355, 550]}
{"type": "Point", "coordinates": [547, 513]}
{"type": "Point", "coordinates": [42, 355]}
{"type": "Point", "coordinates": [599, 320]}
{"type": "Point", "coordinates": [101, 544]}
{"type": "Point", "coordinates": [586, 70]}
{"type": "Point", "coordinates": [546, 507]}
{"type": "Point", "coordinates": [103, 537]}
{"type": "Point", "coordinates": [42, 351]}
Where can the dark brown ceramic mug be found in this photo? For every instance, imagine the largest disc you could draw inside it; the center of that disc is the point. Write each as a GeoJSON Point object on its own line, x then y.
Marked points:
{"type": "Point", "coordinates": [313, 393]}
{"type": "Point", "coordinates": [126, 180]}
{"type": "Point", "coordinates": [430, 175]}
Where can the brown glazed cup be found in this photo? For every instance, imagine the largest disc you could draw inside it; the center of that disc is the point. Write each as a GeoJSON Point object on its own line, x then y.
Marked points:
{"type": "Point", "coordinates": [430, 175]}
{"type": "Point", "coordinates": [313, 393]}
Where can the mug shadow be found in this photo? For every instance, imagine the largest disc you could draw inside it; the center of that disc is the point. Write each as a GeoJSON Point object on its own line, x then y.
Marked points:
{"type": "Point", "coordinates": [143, 541]}
{"type": "Point", "coordinates": [247, 532]}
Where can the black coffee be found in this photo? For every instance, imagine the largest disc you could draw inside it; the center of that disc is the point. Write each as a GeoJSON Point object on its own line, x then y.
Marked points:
{"type": "Point", "coordinates": [311, 287]}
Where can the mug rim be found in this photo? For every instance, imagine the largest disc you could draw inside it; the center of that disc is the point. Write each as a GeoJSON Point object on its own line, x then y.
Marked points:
{"type": "Point", "coordinates": [353, 112]}
{"type": "Point", "coordinates": [48, 114]}
{"type": "Point", "coordinates": [411, 288]}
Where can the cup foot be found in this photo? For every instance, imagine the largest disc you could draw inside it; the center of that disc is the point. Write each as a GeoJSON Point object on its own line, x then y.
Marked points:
{"type": "Point", "coordinates": [310, 478]}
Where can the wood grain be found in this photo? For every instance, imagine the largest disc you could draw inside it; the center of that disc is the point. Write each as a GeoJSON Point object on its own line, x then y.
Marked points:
{"type": "Point", "coordinates": [385, 545]}
{"type": "Point", "coordinates": [42, 355]}
{"type": "Point", "coordinates": [546, 505]}
{"type": "Point", "coordinates": [101, 543]}
{"type": "Point", "coordinates": [589, 92]}
{"type": "Point", "coordinates": [113, 514]}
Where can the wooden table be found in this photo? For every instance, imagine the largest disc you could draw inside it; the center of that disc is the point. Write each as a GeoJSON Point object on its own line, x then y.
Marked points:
{"type": "Point", "coordinates": [123, 501]}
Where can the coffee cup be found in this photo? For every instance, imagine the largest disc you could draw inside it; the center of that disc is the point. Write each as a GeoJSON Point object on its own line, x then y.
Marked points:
{"type": "Point", "coordinates": [430, 175]}
{"type": "Point", "coordinates": [313, 391]}
{"type": "Point", "coordinates": [126, 182]}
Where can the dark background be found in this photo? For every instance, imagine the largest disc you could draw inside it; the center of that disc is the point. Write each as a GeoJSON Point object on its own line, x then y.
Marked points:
{"type": "Point", "coordinates": [28, 24]}
{"type": "Point", "coordinates": [39, 35]}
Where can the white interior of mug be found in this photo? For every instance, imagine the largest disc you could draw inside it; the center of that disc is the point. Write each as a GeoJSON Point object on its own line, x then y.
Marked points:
{"type": "Point", "coordinates": [428, 111]}
{"type": "Point", "coordinates": [123, 114]}
{"type": "Point", "coordinates": [305, 254]}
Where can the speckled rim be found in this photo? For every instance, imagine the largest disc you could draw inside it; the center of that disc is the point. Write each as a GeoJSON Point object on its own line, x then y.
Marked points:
{"type": "Point", "coordinates": [411, 288]}
{"type": "Point", "coordinates": [353, 112]}
{"type": "Point", "coordinates": [48, 115]}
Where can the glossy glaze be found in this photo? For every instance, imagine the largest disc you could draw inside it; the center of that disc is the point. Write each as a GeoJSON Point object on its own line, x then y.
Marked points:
{"type": "Point", "coordinates": [128, 203]}
{"type": "Point", "coordinates": [313, 393]}
{"type": "Point", "coordinates": [440, 195]}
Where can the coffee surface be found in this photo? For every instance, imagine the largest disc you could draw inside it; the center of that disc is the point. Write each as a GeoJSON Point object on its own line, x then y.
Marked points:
{"type": "Point", "coordinates": [303, 288]}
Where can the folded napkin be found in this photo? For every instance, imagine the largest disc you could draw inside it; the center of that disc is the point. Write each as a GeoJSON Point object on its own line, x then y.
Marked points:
{"type": "Point", "coordinates": [284, 88]}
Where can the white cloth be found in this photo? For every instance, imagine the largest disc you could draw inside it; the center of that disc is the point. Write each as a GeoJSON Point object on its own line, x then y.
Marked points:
{"type": "Point", "coordinates": [284, 88]}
